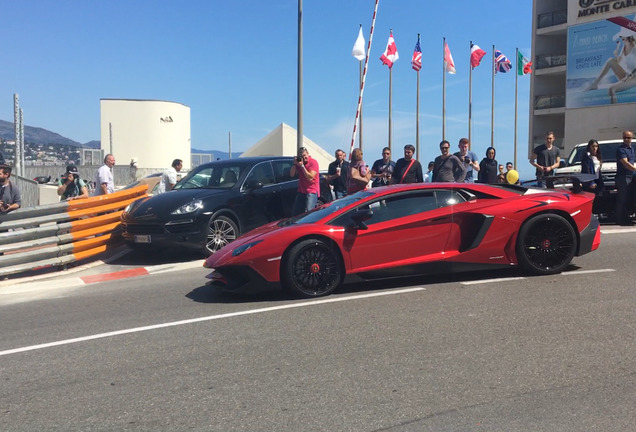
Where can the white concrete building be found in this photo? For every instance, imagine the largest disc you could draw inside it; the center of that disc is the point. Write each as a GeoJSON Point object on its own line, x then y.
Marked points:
{"type": "Point", "coordinates": [572, 41]}
{"type": "Point", "coordinates": [151, 132]}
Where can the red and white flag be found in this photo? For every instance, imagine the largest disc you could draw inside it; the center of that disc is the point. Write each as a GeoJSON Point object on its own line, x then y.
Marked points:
{"type": "Point", "coordinates": [449, 65]}
{"type": "Point", "coordinates": [476, 54]}
{"type": "Point", "coordinates": [390, 55]}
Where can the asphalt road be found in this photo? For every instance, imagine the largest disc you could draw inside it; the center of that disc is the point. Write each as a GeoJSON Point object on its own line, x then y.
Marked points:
{"type": "Point", "coordinates": [477, 352]}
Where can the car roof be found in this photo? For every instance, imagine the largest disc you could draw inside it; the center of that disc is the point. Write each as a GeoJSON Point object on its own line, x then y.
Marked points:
{"type": "Point", "coordinates": [244, 161]}
{"type": "Point", "coordinates": [500, 190]}
{"type": "Point", "coordinates": [620, 141]}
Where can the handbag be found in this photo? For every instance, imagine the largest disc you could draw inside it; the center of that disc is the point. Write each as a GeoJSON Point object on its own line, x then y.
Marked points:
{"type": "Point", "coordinates": [358, 179]}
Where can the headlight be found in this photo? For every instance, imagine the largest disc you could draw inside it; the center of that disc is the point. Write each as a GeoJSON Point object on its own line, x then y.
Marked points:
{"type": "Point", "coordinates": [188, 208]}
{"type": "Point", "coordinates": [242, 248]}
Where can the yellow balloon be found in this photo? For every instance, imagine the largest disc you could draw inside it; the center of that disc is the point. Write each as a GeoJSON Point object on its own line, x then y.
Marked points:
{"type": "Point", "coordinates": [512, 176]}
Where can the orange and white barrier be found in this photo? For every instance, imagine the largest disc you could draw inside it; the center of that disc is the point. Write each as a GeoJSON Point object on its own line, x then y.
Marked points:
{"type": "Point", "coordinates": [62, 233]}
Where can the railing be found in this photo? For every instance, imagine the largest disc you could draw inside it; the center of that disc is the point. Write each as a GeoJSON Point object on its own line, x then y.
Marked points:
{"type": "Point", "coordinates": [62, 233]}
{"type": "Point", "coordinates": [552, 18]}
{"type": "Point", "coordinates": [549, 61]}
{"type": "Point", "coordinates": [549, 101]}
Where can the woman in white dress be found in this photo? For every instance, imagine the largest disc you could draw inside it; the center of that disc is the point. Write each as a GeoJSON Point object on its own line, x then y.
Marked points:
{"type": "Point", "coordinates": [623, 64]}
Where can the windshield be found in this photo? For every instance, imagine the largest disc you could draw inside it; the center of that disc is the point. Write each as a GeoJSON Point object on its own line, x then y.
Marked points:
{"type": "Point", "coordinates": [608, 153]}
{"type": "Point", "coordinates": [216, 176]}
{"type": "Point", "coordinates": [318, 213]}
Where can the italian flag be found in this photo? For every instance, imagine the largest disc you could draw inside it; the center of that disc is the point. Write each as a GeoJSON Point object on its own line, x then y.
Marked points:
{"type": "Point", "coordinates": [524, 66]}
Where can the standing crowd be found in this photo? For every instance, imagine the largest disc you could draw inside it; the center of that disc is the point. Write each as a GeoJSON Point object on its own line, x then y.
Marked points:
{"type": "Point", "coordinates": [346, 177]}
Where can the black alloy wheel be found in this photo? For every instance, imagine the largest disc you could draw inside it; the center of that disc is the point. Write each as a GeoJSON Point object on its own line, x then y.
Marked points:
{"type": "Point", "coordinates": [312, 268]}
{"type": "Point", "coordinates": [546, 244]}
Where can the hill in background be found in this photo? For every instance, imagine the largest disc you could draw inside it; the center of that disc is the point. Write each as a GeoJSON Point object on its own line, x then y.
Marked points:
{"type": "Point", "coordinates": [35, 136]}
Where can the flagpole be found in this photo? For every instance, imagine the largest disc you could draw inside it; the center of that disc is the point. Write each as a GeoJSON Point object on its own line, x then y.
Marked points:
{"type": "Point", "coordinates": [492, 101]}
{"type": "Point", "coordinates": [470, 96]}
{"type": "Point", "coordinates": [417, 111]}
{"type": "Point", "coordinates": [390, 100]}
{"type": "Point", "coordinates": [516, 99]}
{"type": "Point", "coordinates": [360, 137]}
{"type": "Point", "coordinates": [364, 75]}
{"type": "Point", "coordinates": [299, 107]}
{"type": "Point", "coordinates": [443, 89]}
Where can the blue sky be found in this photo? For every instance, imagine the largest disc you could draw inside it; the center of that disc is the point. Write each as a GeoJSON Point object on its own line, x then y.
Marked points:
{"type": "Point", "coordinates": [234, 64]}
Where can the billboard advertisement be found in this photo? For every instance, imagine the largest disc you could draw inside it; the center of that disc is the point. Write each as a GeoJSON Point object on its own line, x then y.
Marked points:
{"type": "Point", "coordinates": [601, 64]}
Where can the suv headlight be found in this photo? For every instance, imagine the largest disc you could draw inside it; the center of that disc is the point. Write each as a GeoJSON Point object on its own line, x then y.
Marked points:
{"type": "Point", "coordinates": [188, 208]}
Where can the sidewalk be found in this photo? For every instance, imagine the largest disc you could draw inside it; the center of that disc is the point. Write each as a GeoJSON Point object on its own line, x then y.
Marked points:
{"type": "Point", "coordinates": [121, 263]}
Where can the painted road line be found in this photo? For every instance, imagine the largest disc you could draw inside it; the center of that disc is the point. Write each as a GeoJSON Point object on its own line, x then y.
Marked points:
{"type": "Point", "coordinates": [123, 274]}
{"type": "Point", "coordinates": [207, 318]}
{"type": "Point", "coordinates": [587, 272]}
{"type": "Point", "coordinates": [483, 281]}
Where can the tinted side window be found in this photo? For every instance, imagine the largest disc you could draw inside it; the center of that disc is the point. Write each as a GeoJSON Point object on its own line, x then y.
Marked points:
{"type": "Point", "coordinates": [395, 208]}
{"type": "Point", "coordinates": [263, 173]}
{"type": "Point", "coordinates": [281, 170]}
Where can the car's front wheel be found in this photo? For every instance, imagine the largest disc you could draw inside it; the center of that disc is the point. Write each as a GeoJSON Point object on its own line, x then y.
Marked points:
{"type": "Point", "coordinates": [546, 244]}
{"type": "Point", "coordinates": [312, 268]}
{"type": "Point", "coordinates": [221, 231]}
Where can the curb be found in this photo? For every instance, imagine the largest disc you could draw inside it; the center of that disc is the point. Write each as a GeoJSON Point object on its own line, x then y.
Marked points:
{"type": "Point", "coordinates": [36, 284]}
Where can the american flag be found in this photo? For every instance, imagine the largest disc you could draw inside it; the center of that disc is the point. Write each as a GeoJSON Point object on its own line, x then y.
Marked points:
{"type": "Point", "coordinates": [417, 56]}
{"type": "Point", "coordinates": [502, 64]}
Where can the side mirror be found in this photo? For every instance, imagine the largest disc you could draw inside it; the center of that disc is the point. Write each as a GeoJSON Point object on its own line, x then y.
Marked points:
{"type": "Point", "coordinates": [253, 184]}
{"type": "Point", "coordinates": [562, 163]}
{"type": "Point", "coordinates": [361, 215]}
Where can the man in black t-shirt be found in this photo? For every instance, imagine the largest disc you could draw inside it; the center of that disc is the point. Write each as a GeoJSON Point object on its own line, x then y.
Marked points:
{"type": "Point", "coordinates": [407, 169]}
{"type": "Point", "coordinates": [545, 158]}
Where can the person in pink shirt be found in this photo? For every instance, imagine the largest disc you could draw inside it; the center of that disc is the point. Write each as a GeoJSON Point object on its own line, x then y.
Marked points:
{"type": "Point", "coordinates": [308, 182]}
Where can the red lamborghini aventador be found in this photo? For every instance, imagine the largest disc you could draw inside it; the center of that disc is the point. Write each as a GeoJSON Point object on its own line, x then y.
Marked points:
{"type": "Point", "coordinates": [411, 229]}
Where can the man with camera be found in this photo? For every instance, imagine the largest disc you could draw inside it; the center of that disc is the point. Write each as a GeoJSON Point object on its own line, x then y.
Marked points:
{"type": "Point", "coordinates": [469, 159]}
{"type": "Point", "coordinates": [9, 193]}
{"type": "Point", "coordinates": [70, 186]}
{"type": "Point", "coordinates": [308, 182]}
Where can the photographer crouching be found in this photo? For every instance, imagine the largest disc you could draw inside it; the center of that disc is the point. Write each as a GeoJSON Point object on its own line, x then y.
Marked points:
{"type": "Point", "coordinates": [70, 186]}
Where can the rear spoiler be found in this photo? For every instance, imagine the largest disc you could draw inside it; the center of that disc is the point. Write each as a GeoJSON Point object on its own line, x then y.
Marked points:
{"type": "Point", "coordinates": [577, 180]}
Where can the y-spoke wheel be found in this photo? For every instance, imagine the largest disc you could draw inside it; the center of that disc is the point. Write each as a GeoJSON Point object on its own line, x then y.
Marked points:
{"type": "Point", "coordinates": [221, 231]}
{"type": "Point", "coordinates": [312, 268]}
{"type": "Point", "coordinates": [546, 244]}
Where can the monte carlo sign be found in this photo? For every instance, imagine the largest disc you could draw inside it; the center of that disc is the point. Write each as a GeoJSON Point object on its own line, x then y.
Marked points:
{"type": "Point", "coordinates": [594, 7]}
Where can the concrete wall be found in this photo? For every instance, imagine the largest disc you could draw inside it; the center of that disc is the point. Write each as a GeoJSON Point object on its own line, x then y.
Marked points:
{"type": "Point", "coordinates": [152, 132]}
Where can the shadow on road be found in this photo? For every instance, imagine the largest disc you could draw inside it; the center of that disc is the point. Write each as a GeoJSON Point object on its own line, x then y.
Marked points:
{"type": "Point", "coordinates": [209, 294]}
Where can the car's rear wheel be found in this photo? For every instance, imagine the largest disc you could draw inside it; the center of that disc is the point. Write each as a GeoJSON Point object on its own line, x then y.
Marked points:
{"type": "Point", "coordinates": [546, 244]}
{"type": "Point", "coordinates": [221, 231]}
{"type": "Point", "coordinates": [312, 268]}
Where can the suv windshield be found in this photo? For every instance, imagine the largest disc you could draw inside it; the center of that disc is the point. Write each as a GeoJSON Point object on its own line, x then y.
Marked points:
{"type": "Point", "coordinates": [218, 176]}
{"type": "Point", "coordinates": [608, 152]}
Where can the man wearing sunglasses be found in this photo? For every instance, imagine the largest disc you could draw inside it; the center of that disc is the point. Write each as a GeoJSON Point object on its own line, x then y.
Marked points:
{"type": "Point", "coordinates": [382, 169]}
{"type": "Point", "coordinates": [448, 167]}
{"type": "Point", "coordinates": [625, 170]}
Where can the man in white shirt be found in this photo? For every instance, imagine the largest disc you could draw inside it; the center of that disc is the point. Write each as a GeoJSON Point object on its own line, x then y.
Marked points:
{"type": "Point", "coordinates": [169, 177]}
{"type": "Point", "coordinates": [104, 182]}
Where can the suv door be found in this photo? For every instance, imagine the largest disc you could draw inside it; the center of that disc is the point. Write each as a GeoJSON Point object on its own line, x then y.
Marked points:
{"type": "Point", "coordinates": [260, 196]}
{"type": "Point", "coordinates": [288, 184]}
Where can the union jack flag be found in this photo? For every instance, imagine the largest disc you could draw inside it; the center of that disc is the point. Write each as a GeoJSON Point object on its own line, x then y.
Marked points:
{"type": "Point", "coordinates": [502, 64]}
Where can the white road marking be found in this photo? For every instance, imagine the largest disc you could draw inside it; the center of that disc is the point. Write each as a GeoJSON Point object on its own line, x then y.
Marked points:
{"type": "Point", "coordinates": [484, 281]}
{"type": "Point", "coordinates": [587, 272]}
{"type": "Point", "coordinates": [207, 318]}
{"type": "Point", "coordinates": [570, 273]}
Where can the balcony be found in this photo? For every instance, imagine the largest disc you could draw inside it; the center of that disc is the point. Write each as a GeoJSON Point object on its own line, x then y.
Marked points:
{"type": "Point", "coordinates": [548, 61]}
{"type": "Point", "coordinates": [552, 18]}
{"type": "Point", "coordinates": [549, 101]}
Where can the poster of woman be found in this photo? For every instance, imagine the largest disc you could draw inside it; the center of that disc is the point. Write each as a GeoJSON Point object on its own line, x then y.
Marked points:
{"type": "Point", "coordinates": [601, 66]}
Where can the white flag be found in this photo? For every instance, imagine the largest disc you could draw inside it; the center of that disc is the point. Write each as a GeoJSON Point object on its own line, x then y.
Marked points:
{"type": "Point", "coordinates": [358, 47]}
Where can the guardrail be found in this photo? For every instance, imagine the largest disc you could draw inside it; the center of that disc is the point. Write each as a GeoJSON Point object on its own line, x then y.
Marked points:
{"type": "Point", "coordinates": [62, 233]}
